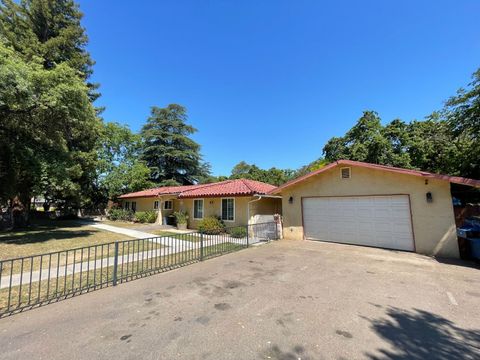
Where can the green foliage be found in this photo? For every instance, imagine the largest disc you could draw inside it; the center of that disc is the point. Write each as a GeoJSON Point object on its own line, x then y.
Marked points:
{"type": "Point", "coordinates": [115, 214]}
{"type": "Point", "coordinates": [181, 217]}
{"type": "Point", "coordinates": [429, 145]}
{"type": "Point", "coordinates": [146, 216]}
{"type": "Point", "coordinates": [211, 225]}
{"type": "Point", "coordinates": [119, 169]}
{"type": "Point", "coordinates": [271, 176]}
{"type": "Point", "coordinates": [168, 150]}
{"type": "Point", "coordinates": [49, 126]}
{"type": "Point", "coordinates": [462, 114]}
{"type": "Point", "coordinates": [238, 232]}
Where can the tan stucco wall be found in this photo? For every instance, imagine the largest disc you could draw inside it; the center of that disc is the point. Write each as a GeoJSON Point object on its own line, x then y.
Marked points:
{"type": "Point", "coordinates": [213, 206]}
{"type": "Point", "coordinates": [146, 204]}
{"type": "Point", "coordinates": [433, 223]}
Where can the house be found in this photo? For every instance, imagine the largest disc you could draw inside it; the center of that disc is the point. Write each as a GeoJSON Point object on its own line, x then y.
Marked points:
{"type": "Point", "coordinates": [236, 202]}
{"type": "Point", "coordinates": [366, 204]}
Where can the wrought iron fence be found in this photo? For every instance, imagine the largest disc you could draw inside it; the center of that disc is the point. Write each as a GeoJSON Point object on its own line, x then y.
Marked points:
{"type": "Point", "coordinates": [31, 281]}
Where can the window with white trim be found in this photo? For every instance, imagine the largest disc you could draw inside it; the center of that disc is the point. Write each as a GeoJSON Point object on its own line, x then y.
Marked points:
{"type": "Point", "coordinates": [127, 205]}
{"type": "Point", "coordinates": [168, 205]}
{"type": "Point", "coordinates": [155, 205]}
{"type": "Point", "coordinates": [198, 209]}
{"type": "Point", "coordinates": [228, 209]}
{"type": "Point", "coordinates": [134, 206]}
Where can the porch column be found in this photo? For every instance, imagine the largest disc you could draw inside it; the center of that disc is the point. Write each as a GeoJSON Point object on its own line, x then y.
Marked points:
{"type": "Point", "coordinates": [159, 214]}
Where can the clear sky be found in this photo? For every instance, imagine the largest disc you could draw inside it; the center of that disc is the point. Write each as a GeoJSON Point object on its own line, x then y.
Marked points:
{"type": "Point", "coordinates": [269, 82]}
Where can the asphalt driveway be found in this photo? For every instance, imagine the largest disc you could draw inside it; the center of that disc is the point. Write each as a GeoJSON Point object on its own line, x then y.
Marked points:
{"type": "Point", "coordinates": [285, 300]}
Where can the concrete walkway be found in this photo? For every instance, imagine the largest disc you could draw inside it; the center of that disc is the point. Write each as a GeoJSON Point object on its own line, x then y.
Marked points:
{"type": "Point", "coordinates": [124, 231]}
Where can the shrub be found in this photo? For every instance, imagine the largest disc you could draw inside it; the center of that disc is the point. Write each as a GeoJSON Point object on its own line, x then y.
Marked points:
{"type": "Point", "coordinates": [146, 216]}
{"type": "Point", "coordinates": [116, 214]}
{"type": "Point", "coordinates": [181, 217]}
{"type": "Point", "coordinates": [211, 225]}
{"type": "Point", "coordinates": [238, 232]}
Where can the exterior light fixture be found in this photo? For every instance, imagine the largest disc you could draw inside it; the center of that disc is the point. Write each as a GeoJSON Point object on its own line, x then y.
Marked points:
{"type": "Point", "coordinates": [290, 200]}
{"type": "Point", "coordinates": [429, 197]}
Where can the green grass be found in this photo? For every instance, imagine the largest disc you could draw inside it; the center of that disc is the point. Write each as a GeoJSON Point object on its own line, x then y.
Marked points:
{"type": "Point", "coordinates": [97, 278]}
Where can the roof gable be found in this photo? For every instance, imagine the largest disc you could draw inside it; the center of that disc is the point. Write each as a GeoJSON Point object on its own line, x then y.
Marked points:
{"type": "Point", "coordinates": [423, 174]}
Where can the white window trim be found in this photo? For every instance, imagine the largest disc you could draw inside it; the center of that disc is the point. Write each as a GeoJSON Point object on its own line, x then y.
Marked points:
{"type": "Point", "coordinates": [165, 203]}
{"type": "Point", "coordinates": [127, 205]}
{"type": "Point", "coordinates": [158, 204]}
{"type": "Point", "coordinates": [203, 209]}
{"type": "Point", "coordinates": [221, 209]}
{"type": "Point", "coordinates": [349, 173]}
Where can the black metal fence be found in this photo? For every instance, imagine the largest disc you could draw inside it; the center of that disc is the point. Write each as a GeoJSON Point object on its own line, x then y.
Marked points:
{"type": "Point", "coordinates": [31, 281]}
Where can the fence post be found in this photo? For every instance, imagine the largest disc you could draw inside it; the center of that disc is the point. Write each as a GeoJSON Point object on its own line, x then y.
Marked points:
{"type": "Point", "coordinates": [276, 230]}
{"type": "Point", "coordinates": [115, 264]}
{"type": "Point", "coordinates": [248, 240]}
{"type": "Point", "coordinates": [201, 246]}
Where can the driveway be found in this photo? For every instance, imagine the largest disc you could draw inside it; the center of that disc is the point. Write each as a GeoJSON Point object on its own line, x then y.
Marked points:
{"type": "Point", "coordinates": [285, 300]}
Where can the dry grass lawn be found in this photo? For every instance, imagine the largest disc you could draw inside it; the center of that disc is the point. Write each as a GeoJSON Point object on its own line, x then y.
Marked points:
{"type": "Point", "coordinates": [52, 236]}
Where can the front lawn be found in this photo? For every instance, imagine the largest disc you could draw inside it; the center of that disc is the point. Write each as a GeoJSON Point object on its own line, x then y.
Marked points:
{"type": "Point", "coordinates": [52, 236]}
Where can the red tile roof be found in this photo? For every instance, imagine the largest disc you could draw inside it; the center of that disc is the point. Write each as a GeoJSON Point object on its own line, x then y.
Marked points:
{"type": "Point", "coordinates": [424, 174]}
{"type": "Point", "coordinates": [239, 187]}
{"type": "Point", "coordinates": [164, 190]}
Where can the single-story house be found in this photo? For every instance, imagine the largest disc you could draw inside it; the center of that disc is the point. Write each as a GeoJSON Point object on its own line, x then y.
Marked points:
{"type": "Point", "coordinates": [366, 204]}
{"type": "Point", "coordinates": [236, 202]}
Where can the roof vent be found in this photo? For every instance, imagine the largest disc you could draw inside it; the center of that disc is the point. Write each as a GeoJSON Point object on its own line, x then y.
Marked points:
{"type": "Point", "coordinates": [345, 173]}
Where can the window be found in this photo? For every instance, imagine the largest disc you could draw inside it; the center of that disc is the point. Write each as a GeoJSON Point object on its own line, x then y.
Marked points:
{"type": "Point", "coordinates": [345, 173]}
{"type": "Point", "coordinates": [198, 209]}
{"type": "Point", "coordinates": [127, 205]}
{"type": "Point", "coordinates": [155, 205]}
{"type": "Point", "coordinates": [228, 209]}
{"type": "Point", "coordinates": [134, 206]}
{"type": "Point", "coordinates": [168, 205]}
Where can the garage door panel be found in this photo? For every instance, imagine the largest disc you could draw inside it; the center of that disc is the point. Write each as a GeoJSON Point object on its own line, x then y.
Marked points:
{"type": "Point", "coordinates": [382, 221]}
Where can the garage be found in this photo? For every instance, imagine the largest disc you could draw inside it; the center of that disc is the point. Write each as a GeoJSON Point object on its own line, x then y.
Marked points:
{"type": "Point", "coordinates": [380, 221]}
{"type": "Point", "coordinates": [352, 202]}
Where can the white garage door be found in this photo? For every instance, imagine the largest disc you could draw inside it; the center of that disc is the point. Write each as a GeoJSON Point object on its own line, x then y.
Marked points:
{"type": "Point", "coordinates": [381, 221]}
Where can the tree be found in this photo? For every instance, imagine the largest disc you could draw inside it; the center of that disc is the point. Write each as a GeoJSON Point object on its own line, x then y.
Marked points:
{"type": "Point", "coordinates": [462, 113]}
{"type": "Point", "coordinates": [168, 150]}
{"type": "Point", "coordinates": [49, 126]}
{"type": "Point", "coordinates": [271, 176]}
{"type": "Point", "coordinates": [365, 141]}
{"type": "Point", "coordinates": [119, 168]}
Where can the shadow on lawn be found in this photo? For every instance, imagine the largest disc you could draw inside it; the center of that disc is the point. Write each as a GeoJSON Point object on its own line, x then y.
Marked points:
{"type": "Point", "coordinates": [45, 231]}
{"type": "Point", "coordinates": [419, 334]}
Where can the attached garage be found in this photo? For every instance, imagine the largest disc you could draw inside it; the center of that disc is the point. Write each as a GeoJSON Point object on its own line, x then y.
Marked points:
{"type": "Point", "coordinates": [381, 221]}
{"type": "Point", "coordinates": [366, 204]}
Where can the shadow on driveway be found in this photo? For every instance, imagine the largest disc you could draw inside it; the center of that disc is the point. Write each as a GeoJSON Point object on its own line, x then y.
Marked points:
{"type": "Point", "coordinates": [419, 334]}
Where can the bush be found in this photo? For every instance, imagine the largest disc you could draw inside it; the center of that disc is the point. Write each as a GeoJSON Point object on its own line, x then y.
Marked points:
{"type": "Point", "coordinates": [181, 217]}
{"type": "Point", "coordinates": [211, 226]}
{"type": "Point", "coordinates": [238, 232]}
{"type": "Point", "coordinates": [146, 216]}
{"type": "Point", "coordinates": [120, 214]}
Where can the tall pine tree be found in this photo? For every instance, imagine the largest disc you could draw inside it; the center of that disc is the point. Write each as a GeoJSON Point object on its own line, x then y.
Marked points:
{"type": "Point", "coordinates": [169, 151]}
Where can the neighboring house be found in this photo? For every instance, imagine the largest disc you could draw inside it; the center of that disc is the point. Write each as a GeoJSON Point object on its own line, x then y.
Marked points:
{"type": "Point", "coordinates": [236, 202]}
{"type": "Point", "coordinates": [373, 205]}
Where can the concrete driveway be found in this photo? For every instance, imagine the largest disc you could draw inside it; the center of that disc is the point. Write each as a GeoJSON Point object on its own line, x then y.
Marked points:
{"type": "Point", "coordinates": [285, 300]}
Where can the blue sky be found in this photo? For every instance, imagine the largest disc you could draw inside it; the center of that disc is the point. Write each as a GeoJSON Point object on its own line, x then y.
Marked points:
{"type": "Point", "coordinates": [269, 82]}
